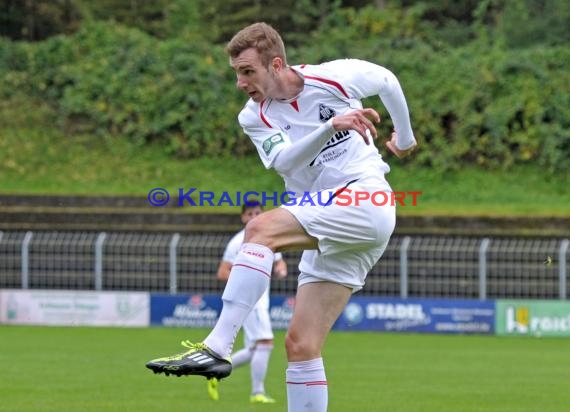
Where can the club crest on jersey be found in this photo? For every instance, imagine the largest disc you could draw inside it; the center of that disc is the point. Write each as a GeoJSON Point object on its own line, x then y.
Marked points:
{"type": "Point", "coordinates": [325, 113]}
{"type": "Point", "coordinates": [271, 142]}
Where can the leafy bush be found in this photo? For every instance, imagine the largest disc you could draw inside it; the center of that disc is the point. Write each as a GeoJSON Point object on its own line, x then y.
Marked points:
{"type": "Point", "coordinates": [112, 79]}
{"type": "Point", "coordinates": [482, 103]}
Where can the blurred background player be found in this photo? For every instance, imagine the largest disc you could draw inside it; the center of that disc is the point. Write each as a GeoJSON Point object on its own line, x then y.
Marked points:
{"type": "Point", "coordinates": [258, 335]}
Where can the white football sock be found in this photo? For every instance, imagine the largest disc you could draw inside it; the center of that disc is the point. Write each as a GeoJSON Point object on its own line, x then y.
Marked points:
{"type": "Point", "coordinates": [242, 356]}
{"type": "Point", "coordinates": [307, 386]}
{"type": "Point", "coordinates": [259, 364]}
{"type": "Point", "coordinates": [249, 278]}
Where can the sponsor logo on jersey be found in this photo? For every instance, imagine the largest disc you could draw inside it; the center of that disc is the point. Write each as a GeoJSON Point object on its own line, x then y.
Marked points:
{"type": "Point", "coordinates": [338, 138]}
{"type": "Point", "coordinates": [271, 142]}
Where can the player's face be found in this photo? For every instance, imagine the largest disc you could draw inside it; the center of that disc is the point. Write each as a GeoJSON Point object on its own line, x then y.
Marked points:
{"type": "Point", "coordinates": [253, 78]}
{"type": "Point", "coordinates": [250, 213]}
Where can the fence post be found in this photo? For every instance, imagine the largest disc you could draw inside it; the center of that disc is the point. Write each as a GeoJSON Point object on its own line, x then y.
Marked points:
{"type": "Point", "coordinates": [1, 234]}
{"type": "Point", "coordinates": [404, 267]}
{"type": "Point", "coordinates": [562, 268]}
{"type": "Point", "coordinates": [173, 275]}
{"type": "Point", "coordinates": [26, 260]}
{"type": "Point", "coordinates": [483, 268]}
{"type": "Point", "coordinates": [99, 260]}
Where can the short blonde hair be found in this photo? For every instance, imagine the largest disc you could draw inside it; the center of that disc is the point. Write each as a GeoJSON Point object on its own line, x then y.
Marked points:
{"type": "Point", "coordinates": [261, 36]}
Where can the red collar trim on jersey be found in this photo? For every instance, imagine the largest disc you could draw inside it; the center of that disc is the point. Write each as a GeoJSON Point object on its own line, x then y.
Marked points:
{"type": "Point", "coordinates": [295, 105]}
{"type": "Point", "coordinates": [331, 82]}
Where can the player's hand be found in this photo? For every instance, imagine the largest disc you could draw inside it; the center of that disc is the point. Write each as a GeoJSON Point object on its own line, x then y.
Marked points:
{"type": "Point", "coordinates": [280, 269]}
{"type": "Point", "coordinates": [281, 274]}
{"type": "Point", "coordinates": [361, 120]}
{"type": "Point", "coordinates": [391, 145]}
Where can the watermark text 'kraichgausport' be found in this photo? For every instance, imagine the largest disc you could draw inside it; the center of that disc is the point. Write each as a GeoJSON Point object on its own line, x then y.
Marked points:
{"type": "Point", "coordinates": [341, 197]}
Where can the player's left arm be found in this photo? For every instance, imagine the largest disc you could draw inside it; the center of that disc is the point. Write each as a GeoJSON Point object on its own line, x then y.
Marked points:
{"type": "Point", "coordinates": [364, 79]}
{"type": "Point", "coordinates": [392, 145]}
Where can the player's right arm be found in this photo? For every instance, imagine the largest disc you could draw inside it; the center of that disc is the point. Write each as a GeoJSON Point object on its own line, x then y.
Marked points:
{"type": "Point", "coordinates": [268, 139]}
{"type": "Point", "coordinates": [277, 151]}
{"type": "Point", "coordinates": [224, 269]}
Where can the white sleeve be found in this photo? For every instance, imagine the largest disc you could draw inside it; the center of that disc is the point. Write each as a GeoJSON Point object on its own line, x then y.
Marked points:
{"type": "Point", "coordinates": [277, 257]}
{"type": "Point", "coordinates": [275, 148]}
{"type": "Point", "coordinates": [304, 150]}
{"type": "Point", "coordinates": [268, 141]}
{"type": "Point", "coordinates": [364, 79]}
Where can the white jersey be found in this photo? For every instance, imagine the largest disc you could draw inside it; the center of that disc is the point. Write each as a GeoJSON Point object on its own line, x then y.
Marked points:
{"type": "Point", "coordinates": [330, 89]}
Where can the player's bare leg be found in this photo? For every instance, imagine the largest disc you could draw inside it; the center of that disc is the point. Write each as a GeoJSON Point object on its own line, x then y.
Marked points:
{"type": "Point", "coordinates": [277, 229]}
{"type": "Point", "coordinates": [317, 307]}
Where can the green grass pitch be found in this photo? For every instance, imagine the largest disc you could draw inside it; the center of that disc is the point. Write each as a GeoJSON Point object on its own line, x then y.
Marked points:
{"type": "Point", "coordinates": [102, 369]}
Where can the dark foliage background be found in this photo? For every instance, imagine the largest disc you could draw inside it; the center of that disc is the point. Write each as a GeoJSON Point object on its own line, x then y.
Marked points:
{"type": "Point", "coordinates": [487, 81]}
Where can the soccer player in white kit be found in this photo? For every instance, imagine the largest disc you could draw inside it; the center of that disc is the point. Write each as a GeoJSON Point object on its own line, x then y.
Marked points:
{"type": "Point", "coordinates": [258, 334]}
{"type": "Point", "coordinates": [308, 123]}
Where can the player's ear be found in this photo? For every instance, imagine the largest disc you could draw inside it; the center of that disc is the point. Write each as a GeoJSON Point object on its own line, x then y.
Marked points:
{"type": "Point", "coordinates": [277, 64]}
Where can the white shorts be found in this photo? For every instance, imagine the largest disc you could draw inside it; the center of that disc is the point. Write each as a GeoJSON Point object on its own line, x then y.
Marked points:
{"type": "Point", "coordinates": [257, 325]}
{"type": "Point", "coordinates": [352, 238]}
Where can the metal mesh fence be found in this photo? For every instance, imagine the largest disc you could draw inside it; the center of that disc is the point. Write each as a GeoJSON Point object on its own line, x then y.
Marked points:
{"type": "Point", "coordinates": [199, 256]}
{"type": "Point", "coordinates": [441, 266]}
{"type": "Point", "coordinates": [135, 261]}
{"type": "Point", "coordinates": [60, 260]}
{"type": "Point", "coordinates": [421, 266]}
{"type": "Point", "coordinates": [11, 259]}
{"type": "Point", "coordinates": [527, 268]}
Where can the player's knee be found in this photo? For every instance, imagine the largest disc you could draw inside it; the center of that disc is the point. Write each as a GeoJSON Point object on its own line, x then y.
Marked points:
{"type": "Point", "coordinates": [300, 349]}
{"type": "Point", "coordinates": [290, 345]}
{"type": "Point", "coordinates": [256, 232]}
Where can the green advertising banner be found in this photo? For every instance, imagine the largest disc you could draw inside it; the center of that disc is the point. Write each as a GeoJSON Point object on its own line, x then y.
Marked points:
{"type": "Point", "coordinates": [532, 317]}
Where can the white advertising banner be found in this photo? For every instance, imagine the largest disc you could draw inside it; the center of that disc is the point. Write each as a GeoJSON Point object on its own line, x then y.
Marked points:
{"type": "Point", "coordinates": [74, 308]}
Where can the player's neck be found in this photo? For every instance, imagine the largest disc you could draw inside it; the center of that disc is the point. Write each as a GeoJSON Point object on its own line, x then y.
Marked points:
{"type": "Point", "coordinates": [291, 85]}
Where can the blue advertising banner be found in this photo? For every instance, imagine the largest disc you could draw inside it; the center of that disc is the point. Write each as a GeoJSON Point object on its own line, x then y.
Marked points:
{"type": "Point", "coordinates": [418, 315]}
{"type": "Point", "coordinates": [203, 310]}
{"type": "Point", "coordinates": [281, 311]}
{"type": "Point", "coordinates": [196, 311]}
{"type": "Point", "coordinates": [361, 313]}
